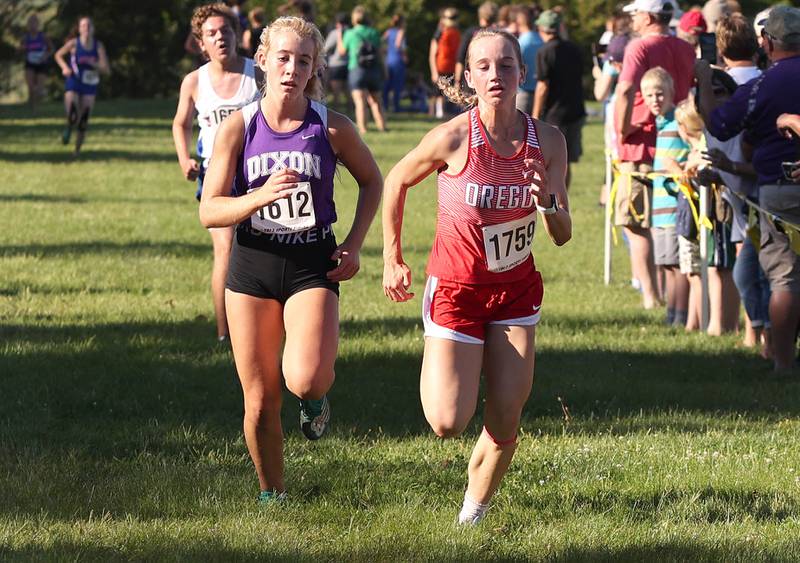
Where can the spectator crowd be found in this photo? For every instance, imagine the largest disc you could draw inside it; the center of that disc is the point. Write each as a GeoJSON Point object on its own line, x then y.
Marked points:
{"type": "Point", "coordinates": [702, 98]}
{"type": "Point", "coordinates": [708, 98]}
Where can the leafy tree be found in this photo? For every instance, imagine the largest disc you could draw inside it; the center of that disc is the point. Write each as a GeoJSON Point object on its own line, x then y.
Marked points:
{"type": "Point", "coordinates": [145, 39]}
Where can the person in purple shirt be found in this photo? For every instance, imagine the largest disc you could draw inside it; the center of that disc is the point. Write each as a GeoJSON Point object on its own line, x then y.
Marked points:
{"type": "Point", "coordinates": [272, 176]}
{"type": "Point", "coordinates": [754, 109]}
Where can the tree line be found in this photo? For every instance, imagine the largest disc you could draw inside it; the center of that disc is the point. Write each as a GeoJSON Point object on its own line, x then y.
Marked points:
{"type": "Point", "coordinates": [145, 39]}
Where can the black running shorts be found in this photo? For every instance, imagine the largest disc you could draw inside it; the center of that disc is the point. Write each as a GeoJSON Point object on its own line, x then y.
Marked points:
{"type": "Point", "coordinates": [272, 266]}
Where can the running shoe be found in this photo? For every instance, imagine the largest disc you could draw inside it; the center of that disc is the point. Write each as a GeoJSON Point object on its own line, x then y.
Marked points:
{"type": "Point", "coordinates": [314, 417]}
{"type": "Point", "coordinates": [266, 498]}
{"type": "Point", "coordinates": [66, 135]}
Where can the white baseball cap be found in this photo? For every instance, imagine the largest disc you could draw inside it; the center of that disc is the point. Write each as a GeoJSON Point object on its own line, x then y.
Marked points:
{"type": "Point", "coordinates": [760, 20]}
{"type": "Point", "coordinates": [650, 6]}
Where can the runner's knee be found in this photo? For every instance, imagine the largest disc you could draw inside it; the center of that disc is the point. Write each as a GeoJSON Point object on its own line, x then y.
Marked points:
{"type": "Point", "coordinates": [260, 411]}
{"type": "Point", "coordinates": [307, 383]}
{"type": "Point", "coordinates": [447, 425]}
{"type": "Point", "coordinates": [502, 440]}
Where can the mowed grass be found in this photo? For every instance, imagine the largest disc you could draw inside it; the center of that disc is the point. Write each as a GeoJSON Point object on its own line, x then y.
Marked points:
{"type": "Point", "coordinates": [120, 416]}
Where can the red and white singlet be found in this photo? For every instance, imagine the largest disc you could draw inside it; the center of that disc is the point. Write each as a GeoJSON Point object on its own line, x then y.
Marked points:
{"type": "Point", "coordinates": [486, 214]}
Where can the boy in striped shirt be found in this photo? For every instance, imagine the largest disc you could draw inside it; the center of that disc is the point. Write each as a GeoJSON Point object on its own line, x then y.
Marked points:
{"type": "Point", "coordinates": [658, 93]}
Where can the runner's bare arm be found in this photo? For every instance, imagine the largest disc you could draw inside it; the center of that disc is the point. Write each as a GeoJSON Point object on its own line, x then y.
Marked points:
{"type": "Point", "coordinates": [554, 150]}
{"type": "Point", "coordinates": [539, 98]}
{"type": "Point", "coordinates": [623, 110]}
{"type": "Point", "coordinates": [182, 127]}
{"type": "Point", "coordinates": [433, 152]}
{"type": "Point", "coordinates": [59, 55]}
{"type": "Point", "coordinates": [432, 50]}
{"type": "Point", "coordinates": [357, 158]}
{"type": "Point", "coordinates": [217, 207]}
{"type": "Point", "coordinates": [102, 59]}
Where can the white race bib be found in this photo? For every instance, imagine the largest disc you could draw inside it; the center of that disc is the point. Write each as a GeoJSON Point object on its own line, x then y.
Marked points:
{"type": "Point", "coordinates": [287, 215]}
{"type": "Point", "coordinates": [508, 244]}
{"type": "Point", "coordinates": [36, 57]}
{"type": "Point", "coordinates": [90, 77]}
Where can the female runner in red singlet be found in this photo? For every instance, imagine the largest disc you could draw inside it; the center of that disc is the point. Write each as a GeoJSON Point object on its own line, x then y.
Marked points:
{"type": "Point", "coordinates": [497, 167]}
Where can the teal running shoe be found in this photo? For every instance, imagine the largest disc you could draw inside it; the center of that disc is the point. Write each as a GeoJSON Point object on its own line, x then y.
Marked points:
{"type": "Point", "coordinates": [266, 498]}
{"type": "Point", "coordinates": [314, 417]}
{"type": "Point", "coordinates": [66, 135]}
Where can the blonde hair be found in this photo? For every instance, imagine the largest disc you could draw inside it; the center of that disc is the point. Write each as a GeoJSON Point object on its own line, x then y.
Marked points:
{"type": "Point", "coordinates": [686, 114]}
{"type": "Point", "coordinates": [359, 15]}
{"type": "Point", "coordinates": [657, 76]}
{"type": "Point", "coordinates": [454, 92]}
{"type": "Point", "coordinates": [303, 29]}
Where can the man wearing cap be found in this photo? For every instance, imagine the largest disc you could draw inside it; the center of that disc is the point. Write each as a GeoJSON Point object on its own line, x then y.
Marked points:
{"type": "Point", "coordinates": [690, 26]}
{"type": "Point", "coordinates": [558, 98]}
{"type": "Point", "coordinates": [715, 10]}
{"type": "Point", "coordinates": [754, 109]}
{"type": "Point", "coordinates": [636, 129]}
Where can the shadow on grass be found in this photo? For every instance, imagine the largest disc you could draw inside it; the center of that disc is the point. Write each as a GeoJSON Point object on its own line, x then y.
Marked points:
{"type": "Point", "coordinates": [159, 397]}
{"type": "Point", "coordinates": [707, 505]}
{"type": "Point", "coordinates": [88, 154]}
{"type": "Point", "coordinates": [129, 373]}
{"type": "Point", "coordinates": [48, 130]}
{"type": "Point", "coordinates": [40, 198]}
{"type": "Point", "coordinates": [141, 248]}
{"type": "Point", "coordinates": [127, 108]}
{"type": "Point", "coordinates": [208, 550]}
{"type": "Point", "coordinates": [95, 198]}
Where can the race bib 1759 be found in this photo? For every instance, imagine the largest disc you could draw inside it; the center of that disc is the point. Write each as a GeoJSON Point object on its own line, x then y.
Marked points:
{"type": "Point", "coordinates": [508, 244]}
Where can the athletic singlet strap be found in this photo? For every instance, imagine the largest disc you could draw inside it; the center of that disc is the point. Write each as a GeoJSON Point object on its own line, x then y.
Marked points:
{"type": "Point", "coordinates": [249, 112]}
{"type": "Point", "coordinates": [322, 111]}
{"type": "Point", "coordinates": [475, 137]}
{"type": "Point", "coordinates": [532, 139]}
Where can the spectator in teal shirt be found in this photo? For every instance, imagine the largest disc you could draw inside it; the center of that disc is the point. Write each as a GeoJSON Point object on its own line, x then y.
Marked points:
{"type": "Point", "coordinates": [362, 45]}
{"type": "Point", "coordinates": [529, 43]}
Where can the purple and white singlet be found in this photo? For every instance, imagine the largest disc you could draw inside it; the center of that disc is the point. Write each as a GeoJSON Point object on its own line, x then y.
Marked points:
{"type": "Point", "coordinates": [306, 150]}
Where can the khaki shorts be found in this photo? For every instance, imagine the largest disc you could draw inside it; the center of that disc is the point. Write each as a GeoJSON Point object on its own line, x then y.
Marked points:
{"type": "Point", "coordinates": [780, 262]}
{"type": "Point", "coordinates": [634, 197]}
{"type": "Point", "coordinates": [665, 246]}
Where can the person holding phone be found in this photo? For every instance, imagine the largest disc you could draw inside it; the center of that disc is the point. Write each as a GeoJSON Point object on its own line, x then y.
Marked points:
{"type": "Point", "coordinates": [789, 125]}
{"type": "Point", "coordinates": [755, 109]}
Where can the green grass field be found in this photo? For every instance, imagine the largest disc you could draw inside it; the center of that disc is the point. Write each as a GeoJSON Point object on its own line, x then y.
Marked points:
{"type": "Point", "coordinates": [120, 416]}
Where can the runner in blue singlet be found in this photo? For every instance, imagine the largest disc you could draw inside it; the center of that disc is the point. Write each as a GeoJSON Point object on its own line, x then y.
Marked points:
{"type": "Point", "coordinates": [37, 48]}
{"type": "Point", "coordinates": [87, 59]}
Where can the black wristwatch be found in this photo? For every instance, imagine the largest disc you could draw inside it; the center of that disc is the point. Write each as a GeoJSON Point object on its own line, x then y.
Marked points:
{"type": "Point", "coordinates": [549, 210]}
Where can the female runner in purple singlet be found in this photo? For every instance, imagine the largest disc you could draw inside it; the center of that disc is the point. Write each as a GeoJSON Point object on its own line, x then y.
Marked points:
{"type": "Point", "coordinates": [272, 176]}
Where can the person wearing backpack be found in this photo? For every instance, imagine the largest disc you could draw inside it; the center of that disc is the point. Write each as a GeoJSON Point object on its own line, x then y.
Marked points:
{"type": "Point", "coordinates": [361, 44]}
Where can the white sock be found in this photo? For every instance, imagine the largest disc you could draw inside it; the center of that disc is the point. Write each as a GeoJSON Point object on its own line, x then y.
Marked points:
{"type": "Point", "coordinates": [472, 512]}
